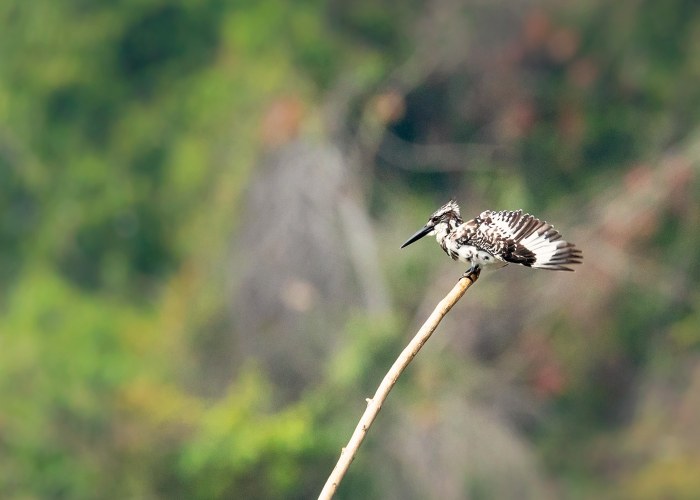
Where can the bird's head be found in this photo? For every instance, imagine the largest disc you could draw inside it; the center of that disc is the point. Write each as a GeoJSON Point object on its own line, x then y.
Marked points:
{"type": "Point", "coordinates": [446, 218]}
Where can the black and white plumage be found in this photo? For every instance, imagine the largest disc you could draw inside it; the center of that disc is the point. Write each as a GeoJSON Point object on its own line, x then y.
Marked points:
{"type": "Point", "coordinates": [495, 239]}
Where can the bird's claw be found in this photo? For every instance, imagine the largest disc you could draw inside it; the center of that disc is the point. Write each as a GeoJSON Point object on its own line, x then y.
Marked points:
{"type": "Point", "coordinates": [474, 270]}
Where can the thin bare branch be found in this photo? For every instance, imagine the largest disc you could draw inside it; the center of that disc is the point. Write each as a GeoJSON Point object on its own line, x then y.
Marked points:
{"type": "Point", "coordinates": [375, 404]}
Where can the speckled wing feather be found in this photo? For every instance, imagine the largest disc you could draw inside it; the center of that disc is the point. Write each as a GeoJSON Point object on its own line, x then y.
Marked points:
{"type": "Point", "coordinates": [523, 239]}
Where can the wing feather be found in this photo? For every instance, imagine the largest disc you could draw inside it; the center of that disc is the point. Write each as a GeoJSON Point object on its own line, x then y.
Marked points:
{"type": "Point", "coordinates": [524, 239]}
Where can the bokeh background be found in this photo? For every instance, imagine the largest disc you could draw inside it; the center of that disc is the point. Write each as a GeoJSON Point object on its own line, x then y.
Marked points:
{"type": "Point", "coordinates": [201, 207]}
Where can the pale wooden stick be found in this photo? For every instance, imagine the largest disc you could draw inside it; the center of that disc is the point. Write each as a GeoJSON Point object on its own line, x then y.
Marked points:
{"type": "Point", "coordinates": [375, 404]}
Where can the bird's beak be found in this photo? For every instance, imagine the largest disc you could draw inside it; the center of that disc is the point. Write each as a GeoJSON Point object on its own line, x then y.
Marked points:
{"type": "Point", "coordinates": [421, 232]}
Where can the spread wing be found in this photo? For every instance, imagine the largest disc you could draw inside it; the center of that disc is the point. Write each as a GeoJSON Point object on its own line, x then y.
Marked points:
{"type": "Point", "coordinates": [522, 239]}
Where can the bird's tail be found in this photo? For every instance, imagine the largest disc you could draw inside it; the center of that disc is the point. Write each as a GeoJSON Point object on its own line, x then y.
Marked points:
{"type": "Point", "coordinates": [550, 250]}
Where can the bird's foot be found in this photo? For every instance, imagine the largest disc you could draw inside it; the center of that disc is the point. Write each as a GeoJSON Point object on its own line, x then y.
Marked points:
{"type": "Point", "coordinates": [474, 271]}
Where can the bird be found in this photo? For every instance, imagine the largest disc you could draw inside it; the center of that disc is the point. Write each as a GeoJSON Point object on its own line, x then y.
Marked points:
{"type": "Point", "coordinates": [495, 239]}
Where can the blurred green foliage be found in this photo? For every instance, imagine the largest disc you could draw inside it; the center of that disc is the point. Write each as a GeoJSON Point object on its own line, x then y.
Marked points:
{"type": "Point", "coordinates": [121, 123]}
{"type": "Point", "coordinates": [129, 133]}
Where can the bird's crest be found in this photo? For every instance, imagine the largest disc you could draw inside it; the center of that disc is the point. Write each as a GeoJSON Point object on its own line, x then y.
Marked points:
{"type": "Point", "coordinates": [449, 207]}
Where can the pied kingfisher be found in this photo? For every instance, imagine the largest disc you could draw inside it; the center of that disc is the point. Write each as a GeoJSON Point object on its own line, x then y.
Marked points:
{"type": "Point", "coordinates": [495, 239]}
